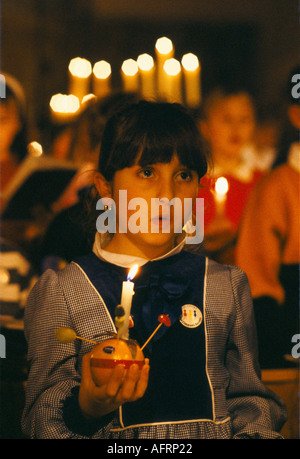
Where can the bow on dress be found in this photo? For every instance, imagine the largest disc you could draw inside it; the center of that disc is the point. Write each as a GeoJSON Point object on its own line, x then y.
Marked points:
{"type": "Point", "coordinates": [157, 294]}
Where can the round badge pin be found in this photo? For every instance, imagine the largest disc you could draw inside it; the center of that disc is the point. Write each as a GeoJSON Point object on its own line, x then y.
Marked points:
{"type": "Point", "coordinates": [191, 316]}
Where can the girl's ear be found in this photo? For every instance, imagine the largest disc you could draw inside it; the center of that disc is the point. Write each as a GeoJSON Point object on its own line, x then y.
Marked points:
{"type": "Point", "coordinates": [102, 185]}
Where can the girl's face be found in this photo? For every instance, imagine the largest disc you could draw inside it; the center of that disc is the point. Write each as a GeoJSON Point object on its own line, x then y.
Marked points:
{"type": "Point", "coordinates": [160, 180]}
{"type": "Point", "coordinates": [9, 126]}
{"type": "Point", "coordinates": [230, 126]}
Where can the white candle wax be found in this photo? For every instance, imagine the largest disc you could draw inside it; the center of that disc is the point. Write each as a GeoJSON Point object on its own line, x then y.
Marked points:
{"type": "Point", "coordinates": [130, 75]}
{"type": "Point", "coordinates": [191, 70]}
{"type": "Point", "coordinates": [126, 301]}
{"type": "Point", "coordinates": [172, 90]}
{"type": "Point", "coordinates": [164, 50]}
{"type": "Point", "coordinates": [221, 189]}
{"type": "Point", "coordinates": [101, 78]}
{"type": "Point", "coordinates": [147, 72]}
{"type": "Point", "coordinates": [79, 72]}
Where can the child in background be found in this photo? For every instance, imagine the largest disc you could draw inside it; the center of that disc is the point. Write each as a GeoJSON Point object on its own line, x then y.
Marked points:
{"type": "Point", "coordinates": [228, 126]}
{"type": "Point", "coordinates": [13, 129]}
{"type": "Point", "coordinates": [203, 380]}
{"type": "Point", "coordinates": [268, 246]}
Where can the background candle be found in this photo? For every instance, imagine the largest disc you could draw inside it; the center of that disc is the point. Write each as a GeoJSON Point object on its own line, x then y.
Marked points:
{"type": "Point", "coordinates": [221, 190]}
{"type": "Point", "coordinates": [173, 90]}
{"type": "Point", "coordinates": [101, 78]}
{"type": "Point", "coordinates": [64, 107]}
{"type": "Point", "coordinates": [129, 71]}
{"type": "Point", "coordinates": [126, 300]}
{"type": "Point", "coordinates": [192, 85]}
{"type": "Point", "coordinates": [164, 50]}
{"type": "Point", "coordinates": [80, 72]}
{"type": "Point", "coordinates": [145, 63]}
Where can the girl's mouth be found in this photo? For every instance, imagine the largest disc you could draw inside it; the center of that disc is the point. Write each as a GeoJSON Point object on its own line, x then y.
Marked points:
{"type": "Point", "coordinates": [161, 221]}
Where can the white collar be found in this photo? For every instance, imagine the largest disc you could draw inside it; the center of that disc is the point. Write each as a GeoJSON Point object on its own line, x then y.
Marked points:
{"type": "Point", "coordinates": [126, 261]}
{"type": "Point", "coordinates": [244, 172]}
{"type": "Point", "coordinates": [294, 156]}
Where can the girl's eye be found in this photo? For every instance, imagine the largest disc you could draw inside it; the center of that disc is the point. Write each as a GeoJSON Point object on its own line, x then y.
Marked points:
{"type": "Point", "coordinates": [146, 173]}
{"type": "Point", "coordinates": [185, 176]}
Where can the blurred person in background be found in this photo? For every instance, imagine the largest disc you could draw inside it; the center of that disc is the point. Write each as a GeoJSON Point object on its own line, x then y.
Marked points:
{"type": "Point", "coordinates": [268, 245]}
{"type": "Point", "coordinates": [228, 125]}
{"type": "Point", "coordinates": [13, 129]}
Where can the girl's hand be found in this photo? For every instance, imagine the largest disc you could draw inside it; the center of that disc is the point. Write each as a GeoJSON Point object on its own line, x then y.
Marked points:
{"type": "Point", "coordinates": [123, 386]}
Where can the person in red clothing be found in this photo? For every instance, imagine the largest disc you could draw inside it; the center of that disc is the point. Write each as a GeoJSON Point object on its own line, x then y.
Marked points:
{"type": "Point", "coordinates": [268, 244]}
{"type": "Point", "coordinates": [13, 129]}
{"type": "Point", "coordinates": [228, 126]}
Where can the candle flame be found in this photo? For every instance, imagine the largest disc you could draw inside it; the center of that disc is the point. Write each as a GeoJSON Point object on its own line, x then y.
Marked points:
{"type": "Point", "coordinates": [88, 98]}
{"type": "Point", "coordinates": [164, 45]}
{"type": "Point", "coordinates": [130, 67]}
{"type": "Point", "coordinates": [172, 67]}
{"type": "Point", "coordinates": [80, 67]}
{"type": "Point", "coordinates": [145, 62]}
{"type": "Point", "coordinates": [102, 70]}
{"type": "Point", "coordinates": [190, 62]}
{"type": "Point", "coordinates": [132, 272]}
{"type": "Point", "coordinates": [221, 186]}
{"type": "Point", "coordinates": [64, 103]}
{"type": "Point", "coordinates": [35, 149]}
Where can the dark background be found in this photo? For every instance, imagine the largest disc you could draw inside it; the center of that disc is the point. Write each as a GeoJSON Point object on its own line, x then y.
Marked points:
{"type": "Point", "coordinates": [254, 43]}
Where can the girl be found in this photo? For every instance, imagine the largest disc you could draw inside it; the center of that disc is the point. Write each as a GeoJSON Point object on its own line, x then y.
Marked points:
{"type": "Point", "coordinates": [203, 378]}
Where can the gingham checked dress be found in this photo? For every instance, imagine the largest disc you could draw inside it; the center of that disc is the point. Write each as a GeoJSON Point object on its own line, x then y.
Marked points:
{"type": "Point", "coordinates": [204, 377]}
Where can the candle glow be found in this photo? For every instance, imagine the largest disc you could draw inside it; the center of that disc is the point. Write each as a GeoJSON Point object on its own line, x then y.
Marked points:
{"type": "Point", "coordinates": [80, 67]}
{"type": "Point", "coordinates": [132, 272]}
{"type": "Point", "coordinates": [35, 149]}
{"type": "Point", "coordinates": [145, 63]}
{"type": "Point", "coordinates": [164, 50]}
{"type": "Point", "coordinates": [221, 187]}
{"type": "Point", "coordinates": [80, 71]}
{"type": "Point", "coordinates": [172, 80]}
{"type": "Point", "coordinates": [164, 45]}
{"type": "Point", "coordinates": [130, 71]}
{"type": "Point", "coordinates": [64, 107]}
{"type": "Point", "coordinates": [102, 70]}
{"type": "Point", "coordinates": [191, 70]}
{"type": "Point", "coordinates": [101, 78]}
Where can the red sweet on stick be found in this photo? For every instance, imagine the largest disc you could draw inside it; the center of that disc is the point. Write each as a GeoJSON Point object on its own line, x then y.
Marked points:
{"type": "Point", "coordinates": [163, 319]}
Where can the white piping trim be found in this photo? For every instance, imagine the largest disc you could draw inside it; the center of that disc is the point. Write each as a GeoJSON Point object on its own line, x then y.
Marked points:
{"type": "Point", "coordinates": [172, 422]}
{"type": "Point", "coordinates": [206, 342]}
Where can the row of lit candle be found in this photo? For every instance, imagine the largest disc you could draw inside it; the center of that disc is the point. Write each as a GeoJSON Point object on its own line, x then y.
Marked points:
{"type": "Point", "coordinates": [162, 78]}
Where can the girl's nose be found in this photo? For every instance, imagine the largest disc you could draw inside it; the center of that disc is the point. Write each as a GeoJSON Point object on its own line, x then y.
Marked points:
{"type": "Point", "coordinates": [166, 190]}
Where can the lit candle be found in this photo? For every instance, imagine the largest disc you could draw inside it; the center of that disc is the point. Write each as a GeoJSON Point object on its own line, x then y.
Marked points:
{"type": "Point", "coordinates": [172, 70]}
{"type": "Point", "coordinates": [80, 71]}
{"type": "Point", "coordinates": [126, 300]}
{"type": "Point", "coordinates": [145, 63]}
{"type": "Point", "coordinates": [191, 71]}
{"type": "Point", "coordinates": [101, 78]}
{"type": "Point", "coordinates": [130, 73]}
{"type": "Point", "coordinates": [87, 99]}
{"type": "Point", "coordinates": [35, 149]}
{"type": "Point", "coordinates": [221, 190]}
{"type": "Point", "coordinates": [64, 107]}
{"type": "Point", "coordinates": [164, 50]}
